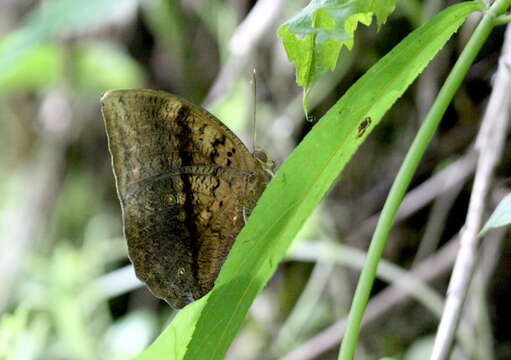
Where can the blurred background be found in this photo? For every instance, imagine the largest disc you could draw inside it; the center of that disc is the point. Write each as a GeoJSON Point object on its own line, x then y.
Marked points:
{"type": "Point", "coordinates": [66, 288]}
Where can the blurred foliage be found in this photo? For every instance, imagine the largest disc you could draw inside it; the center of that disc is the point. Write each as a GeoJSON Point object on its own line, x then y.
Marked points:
{"type": "Point", "coordinates": [66, 288]}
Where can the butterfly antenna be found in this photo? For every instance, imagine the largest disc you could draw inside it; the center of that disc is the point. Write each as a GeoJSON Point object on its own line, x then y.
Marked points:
{"type": "Point", "coordinates": [254, 105]}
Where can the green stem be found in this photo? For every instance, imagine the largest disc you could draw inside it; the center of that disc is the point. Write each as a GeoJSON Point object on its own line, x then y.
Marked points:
{"type": "Point", "coordinates": [406, 172]}
{"type": "Point", "coordinates": [503, 19]}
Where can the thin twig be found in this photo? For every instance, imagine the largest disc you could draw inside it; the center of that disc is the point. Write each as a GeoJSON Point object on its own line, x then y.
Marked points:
{"type": "Point", "coordinates": [427, 271]}
{"type": "Point", "coordinates": [440, 183]}
{"type": "Point", "coordinates": [260, 21]}
{"type": "Point", "coordinates": [489, 145]}
{"type": "Point", "coordinates": [476, 312]}
{"type": "Point", "coordinates": [437, 220]}
{"type": "Point", "coordinates": [290, 331]}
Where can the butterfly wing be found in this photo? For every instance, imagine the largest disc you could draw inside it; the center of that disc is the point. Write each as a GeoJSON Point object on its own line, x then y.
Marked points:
{"type": "Point", "coordinates": [185, 182]}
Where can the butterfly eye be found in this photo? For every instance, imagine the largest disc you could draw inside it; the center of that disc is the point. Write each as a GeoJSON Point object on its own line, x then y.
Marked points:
{"type": "Point", "coordinates": [261, 156]}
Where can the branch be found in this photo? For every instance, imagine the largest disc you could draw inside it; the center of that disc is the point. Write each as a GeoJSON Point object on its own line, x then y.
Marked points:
{"type": "Point", "coordinates": [489, 144]}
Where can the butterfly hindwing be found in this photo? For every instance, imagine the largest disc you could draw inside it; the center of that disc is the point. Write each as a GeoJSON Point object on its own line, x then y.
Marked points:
{"type": "Point", "coordinates": [185, 182]}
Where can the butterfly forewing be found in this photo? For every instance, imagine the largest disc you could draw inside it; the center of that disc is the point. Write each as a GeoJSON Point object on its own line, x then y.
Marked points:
{"type": "Point", "coordinates": [185, 182]}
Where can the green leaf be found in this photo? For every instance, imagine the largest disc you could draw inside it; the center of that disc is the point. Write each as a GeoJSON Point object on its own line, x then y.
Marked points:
{"type": "Point", "coordinates": [206, 328]}
{"type": "Point", "coordinates": [314, 38]}
{"type": "Point", "coordinates": [500, 217]}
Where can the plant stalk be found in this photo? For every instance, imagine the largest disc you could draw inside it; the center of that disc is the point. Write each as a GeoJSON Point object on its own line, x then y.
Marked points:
{"type": "Point", "coordinates": [406, 172]}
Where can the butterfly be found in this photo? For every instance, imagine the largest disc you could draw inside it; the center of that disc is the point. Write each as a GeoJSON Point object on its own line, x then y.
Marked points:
{"type": "Point", "coordinates": [186, 184]}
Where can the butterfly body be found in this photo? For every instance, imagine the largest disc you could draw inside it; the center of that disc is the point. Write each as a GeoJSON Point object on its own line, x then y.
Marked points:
{"type": "Point", "coordinates": [185, 182]}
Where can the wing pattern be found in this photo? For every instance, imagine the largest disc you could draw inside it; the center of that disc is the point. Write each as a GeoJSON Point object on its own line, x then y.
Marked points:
{"type": "Point", "coordinates": [185, 182]}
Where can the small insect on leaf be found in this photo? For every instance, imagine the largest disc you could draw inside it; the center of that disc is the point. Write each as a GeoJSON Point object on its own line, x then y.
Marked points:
{"type": "Point", "coordinates": [363, 126]}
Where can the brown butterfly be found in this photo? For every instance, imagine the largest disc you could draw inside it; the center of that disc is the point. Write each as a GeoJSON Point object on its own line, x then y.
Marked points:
{"type": "Point", "coordinates": [186, 183]}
